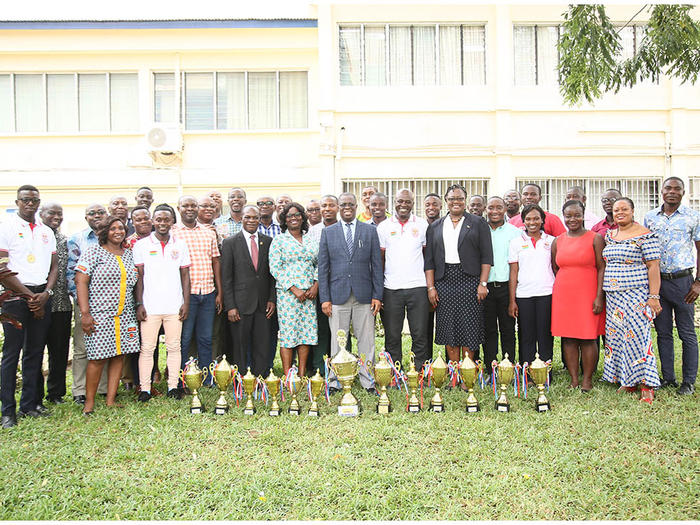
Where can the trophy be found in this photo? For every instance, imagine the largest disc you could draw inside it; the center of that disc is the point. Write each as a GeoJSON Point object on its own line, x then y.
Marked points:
{"type": "Point", "coordinates": [382, 375]}
{"type": "Point", "coordinates": [317, 383]}
{"type": "Point", "coordinates": [221, 372]}
{"type": "Point", "coordinates": [506, 372]}
{"type": "Point", "coordinates": [468, 373]}
{"type": "Point", "coordinates": [293, 383]}
{"type": "Point", "coordinates": [439, 368]}
{"type": "Point", "coordinates": [344, 365]}
{"type": "Point", "coordinates": [412, 378]}
{"type": "Point", "coordinates": [538, 372]}
{"type": "Point", "coordinates": [273, 386]}
{"type": "Point", "coordinates": [248, 387]}
{"type": "Point", "coordinates": [193, 376]}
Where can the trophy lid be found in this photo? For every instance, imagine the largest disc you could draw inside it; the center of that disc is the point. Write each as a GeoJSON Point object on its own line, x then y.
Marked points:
{"type": "Point", "coordinates": [467, 363]}
{"type": "Point", "coordinates": [439, 363]}
{"type": "Point", "coordinates": [412, 372]}
{"type": "Point", "coordinates": [248, 376]}
{"type": "Point", "coordinates": [271, 377]}
{"type": "Point", "coordinates": [537, 363]}
{"type": "Point", "coordinates": [506, 363]}
{"type": "Point", "coordinates": [383, 362]}
{"type": "Point", "coordinates": [343, 357]}
{"type": "Point", "coordinates": [317, 378]}
{"type": "Point", "coordinates": [223, 365]}
{"type": "Point", "coordinates": [192, 368]}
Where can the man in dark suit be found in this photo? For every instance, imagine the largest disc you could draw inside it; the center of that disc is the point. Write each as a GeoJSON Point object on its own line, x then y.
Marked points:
{"type": "Point", "coordinates": [351, 281]}
{"type": "Point", "coordinates": [249, 292]}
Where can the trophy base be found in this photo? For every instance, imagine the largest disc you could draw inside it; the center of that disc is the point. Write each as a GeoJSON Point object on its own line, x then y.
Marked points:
{"type": "Point", "coordinates": [249, 411]}
{"type": "Point", "coordinates": [220, 411]}
{"type": "Point", "coordinates": [502, 408]}
{"type": "Point", "coordinates": [196, 410]}
{"type": "Point", "coordinates": [413, 409]}
{"type": "Point", "coordinates": [437, 407]}
{"type": "Point", "coordinates": [471, 409]}
{"type": "Point", "coordinates": [543, 407]}
{"type": "Point", "coordinates": [294, 412]}
{"type": "Point", "coordinates": [383, 409]}
{"type": "Point", "coordinates": [348, 410]}
{"type": "Point", "coordinates": [312, 413]}
{"type": "Point", "coordinates": [274, 413]}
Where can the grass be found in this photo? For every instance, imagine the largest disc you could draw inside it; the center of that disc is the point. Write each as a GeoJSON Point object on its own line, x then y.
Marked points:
{"type": "Point", "coordinates": [594, 456]}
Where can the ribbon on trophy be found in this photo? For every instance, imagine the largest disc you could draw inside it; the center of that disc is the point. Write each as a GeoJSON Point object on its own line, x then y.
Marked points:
{"type": "Point", "coordinates": [525, 365]}
{"type": "Point", "coordinates": [494, 378]}
{"type": "Point", "coordinates": [237, 386]}
{"type": "Point", "coordinates": [326, 388]}
{"type": "Point", "coordinates": [549, 366]}
{"type": "Point", "coordinates": [188, 363]}
{"type": "Point", "coordinates": [453, 373]}
{"type": "Point", "coordinates": [308, 389]}
{"type": "Point", "coordinates": [261, 391]}
{"type": "Point", "coordinates": [516, 385]}
{"type": "Point", "coordinates": [482, 381]}
{"type": "Point", "coordinates": [362, 364]}
{"type": "Point", "coordinates": [398, 376]}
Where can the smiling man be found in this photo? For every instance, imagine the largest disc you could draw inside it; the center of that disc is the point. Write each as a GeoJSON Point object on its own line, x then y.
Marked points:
{"type": "Point", "coordinates": [532, 194]}
{"type": "Point", "coordinates": [231, 224]}
{"type": "Point", "coordinates": [402, 242]}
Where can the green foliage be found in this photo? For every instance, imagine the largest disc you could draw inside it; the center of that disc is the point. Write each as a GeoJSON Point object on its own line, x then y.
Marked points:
{"type": "Point", "coordinates": [588, 67]}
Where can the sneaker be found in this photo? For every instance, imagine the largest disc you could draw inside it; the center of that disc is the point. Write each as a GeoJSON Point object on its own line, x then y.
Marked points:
{"type": "Point", "coordinates": [686, 389]}
{"type": "Point", "coordinates": [144, 396]}
{"type": "Point", "coordinates": [175, 393]}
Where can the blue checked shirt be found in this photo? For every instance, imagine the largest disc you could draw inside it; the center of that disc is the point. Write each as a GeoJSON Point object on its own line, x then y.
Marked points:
{"type": "Point", "coordinates": [271, 231]}
{"type": "Point", "coordinates": [677, 235]}
{"type": "Point", "coordinates": [77, 244]}
{"type": "Point", "coordinates": [227, 227]}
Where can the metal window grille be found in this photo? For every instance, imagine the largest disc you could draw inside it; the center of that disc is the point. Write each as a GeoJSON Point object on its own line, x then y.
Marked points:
{"type": "Point", "coordinates": [694, 194]}
{"type": "Point", "coordinates": [419, 187]}
{"type": "Point", "coordinates": [644, 192]}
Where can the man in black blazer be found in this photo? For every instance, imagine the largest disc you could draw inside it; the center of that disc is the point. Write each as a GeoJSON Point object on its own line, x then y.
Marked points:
{"type": "Point", "coordinates": [249, 292]}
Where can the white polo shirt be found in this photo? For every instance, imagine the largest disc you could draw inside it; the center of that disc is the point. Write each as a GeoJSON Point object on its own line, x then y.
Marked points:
{"type": "Point", "coordinates": [29, 249]}
{"type": "Point", "coordinates": [403, 258]}
{"type": "Point", "coordinates": [535, 276]}
{"type": "Point", "coordinates": [162, 287]}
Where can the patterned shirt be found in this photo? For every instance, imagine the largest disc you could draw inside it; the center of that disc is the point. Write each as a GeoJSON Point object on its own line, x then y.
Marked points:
{"type": "Point", "coordinates": [77, 244]}
{"type": "Point", "coordinates": [677, 234]}
{"type": "Point", "coordinates": [201, 242]}
{"type": "Point", "coordinates": [271, 231]}
{"type": "Point", "coordinates": [226, 227]}
{"type": "Point", "coordinates": [133, 239]}
{"type": "Point", "coordinates": [61, 300]}
{"type": "Point", "coordinates": [625, 261]}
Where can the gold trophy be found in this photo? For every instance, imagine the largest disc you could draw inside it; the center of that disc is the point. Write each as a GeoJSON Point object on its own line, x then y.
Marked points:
{"type": "Point", "coordinates": [317, 383]}
{"type": "Point", "coordinates": [439, 369]}
{"type": "Point", "coordinates": [248, 387]}
{"type": "Point", "coordinates": [382, 375]}
{"type": "Point", "coordinates": [273, 386]}
{"type": "Point", "coordinates": [468, 372]}
{"type": "Point", "coordinates": [193, 376]}
{"type": "Point", "coordinates": [506, 372]}
{"type": "Point", "coordinates": [412, 379]}
{"type": "Point", "coordinates": [538, 372]}
{"type": "Point", "coordinates": [222, 377]}
{"type": "Point", "coordinates": [294, 382]}
{"type": "Point", "coordinates": [344, 365]}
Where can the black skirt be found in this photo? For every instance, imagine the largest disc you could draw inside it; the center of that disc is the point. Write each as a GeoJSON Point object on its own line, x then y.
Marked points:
{"type": "Point", "coordinates": [459, 319]}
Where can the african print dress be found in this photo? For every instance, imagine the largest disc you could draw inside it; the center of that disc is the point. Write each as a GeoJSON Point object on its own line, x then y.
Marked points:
{"type": "Point", "coordinates": [629, 356]}
{"type": "Point", "coordinates": [295, 264]}
{"type": "Point", "coordinates": [112, 281]}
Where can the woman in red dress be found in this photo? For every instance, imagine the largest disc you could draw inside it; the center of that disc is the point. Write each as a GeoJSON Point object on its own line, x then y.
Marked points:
{"type": "Point", "coordinates": [577, 296]}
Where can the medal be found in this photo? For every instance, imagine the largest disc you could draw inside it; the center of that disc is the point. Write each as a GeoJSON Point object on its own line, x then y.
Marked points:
{"type": "Point", "coordinates": [31, 258]}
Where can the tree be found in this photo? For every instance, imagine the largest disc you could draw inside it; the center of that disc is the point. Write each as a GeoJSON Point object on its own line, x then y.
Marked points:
{"type": "Point", "coordinates": [589, 43]}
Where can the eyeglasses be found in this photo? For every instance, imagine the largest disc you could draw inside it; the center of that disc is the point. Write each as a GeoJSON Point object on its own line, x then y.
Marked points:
{"type": "Point", "coordinates": [30, 200]}
{"type": "Point", "coordinates": [95, 213]}
{"type": "Point", "coordinates": [266, 203]}
{"type": "Point", "coordinates": [313, 209]}
{"type": "Point", "coordinates": [608, 201]}
{"type": "Point", "coordinates": [296, 215]}
{"type": "Point", "coordinates": [455, 199]}
{"type": "Point", "coordinates": [347, 205]}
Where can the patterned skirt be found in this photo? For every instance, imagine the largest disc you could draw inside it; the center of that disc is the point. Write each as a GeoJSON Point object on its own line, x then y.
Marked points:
{"type": "Point", "coordinates": [629, 355]}
{"type": "Point", "coordinates": [459, 319]}
{"type": "Point", "coordinates": [113, 336]}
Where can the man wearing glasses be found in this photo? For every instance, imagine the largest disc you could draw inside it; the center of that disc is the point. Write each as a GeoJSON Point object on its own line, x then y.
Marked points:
{"type": "Point", "coordinates": [77, 244]}
{"type": "Point", "coordinates": [608, 223]}
{"type": "Point", "coordinates": [268, 226]}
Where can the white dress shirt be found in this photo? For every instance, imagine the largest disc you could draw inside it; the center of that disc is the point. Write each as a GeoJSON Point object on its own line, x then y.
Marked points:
{"type": "Point", "coordinates": [450, 238]}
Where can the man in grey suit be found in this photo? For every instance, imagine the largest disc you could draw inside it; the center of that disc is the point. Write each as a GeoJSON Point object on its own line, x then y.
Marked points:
{"type": "Point", "coordinates": [351, 282]}
{"type": "Point", "coordinates": [249, 292]}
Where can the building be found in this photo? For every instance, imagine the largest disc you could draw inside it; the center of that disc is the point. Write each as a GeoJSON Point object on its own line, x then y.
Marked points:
{"type": "Point", "coordinates": [319, 96]}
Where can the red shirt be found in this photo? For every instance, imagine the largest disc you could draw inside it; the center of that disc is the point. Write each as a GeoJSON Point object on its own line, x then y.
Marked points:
{"type": "Point", "coordinates": [552, 224]}
{"type": "Point", "coordinates": [603, 226]}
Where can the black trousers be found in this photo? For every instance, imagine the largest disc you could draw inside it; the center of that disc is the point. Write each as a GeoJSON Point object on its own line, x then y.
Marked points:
{"type": "Point", "coordinates": [497, 321]}
{"type": "Point", "coordinates": [57, 343]}
{"type": "Point", "coordinates": [535, 328]}
{"type": "Point", "coordinates": [323, 348]}
{"type": "Point", "coordinates": [412, 303]}
{"type": "Point", "coordinates": [252, 333]}
{"type": "Point", "coordinates": [31, 338]}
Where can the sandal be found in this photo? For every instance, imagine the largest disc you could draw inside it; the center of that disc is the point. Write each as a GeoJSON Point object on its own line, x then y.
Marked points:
{"type": "Point", "coordinates": [89, 413]}
{"type": "Point", "coordinates": [647, 395]}
{"type": "Point", "coordinates": [629, 389]}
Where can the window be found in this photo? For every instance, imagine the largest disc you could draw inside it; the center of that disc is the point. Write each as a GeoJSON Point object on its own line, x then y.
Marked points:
{"type": "Point", "coordinates": [234, 100]}
{"type": "Point", "coordinates": [419, 187]}
{"type": "Point", "coordinates": [535, 55]}
{"type": "Point", "coordinates": [68, 102]}
{"type": "Point", "coordinates": [412, 55]}
{"type": "Point", "coordinates": [644, 192]}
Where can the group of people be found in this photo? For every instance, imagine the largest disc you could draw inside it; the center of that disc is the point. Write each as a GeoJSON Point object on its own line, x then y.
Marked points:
{"type": "Point", "coordinates": [278, 272]}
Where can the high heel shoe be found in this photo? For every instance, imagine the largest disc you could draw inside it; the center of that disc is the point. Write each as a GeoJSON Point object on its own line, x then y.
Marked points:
{"type": "Point", "coordinates": [629, 389]}
{"type": "Point", "coordinates": [647, 395]}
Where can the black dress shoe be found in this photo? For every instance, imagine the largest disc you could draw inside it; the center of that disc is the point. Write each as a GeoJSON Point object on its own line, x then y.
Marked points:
{"type": "Point", "coordinates": [666, 382]}
{"type": "Point", "coordinates": [144, 396]}
{"type": "Point", "coordinates": [175, 393]}
{"type": "Point", "coordinates": [9, 421]}
{"type": "Point", "coordinates": [371, 390]}
{"type": "Point", "coordinates": [79, 399]}
{"type": "Point", "coordinates": [55, 400]}
{"type": "Point", "coordinates": [686, 389]}
{"type": "Point", "coordinates": [32, 413]}
{"type": "Point", "coordinates": [42, 409]}
{"type": "Point", "coordinates": [332, 390]}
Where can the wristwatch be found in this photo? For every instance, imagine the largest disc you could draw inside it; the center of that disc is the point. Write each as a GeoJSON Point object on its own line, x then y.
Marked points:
{"type": "Point", "coordinates": [49, 291]}
{"type": "Point", "coordinates": [484, 283]}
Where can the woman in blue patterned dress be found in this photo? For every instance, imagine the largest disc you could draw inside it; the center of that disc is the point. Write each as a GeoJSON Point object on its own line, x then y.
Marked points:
{"type": "Point", "coordinates": [631, 284]}
{"type": "Point", "coordinates": [294, 265]}
{"type": "Point", "coordinates": [105, 278]}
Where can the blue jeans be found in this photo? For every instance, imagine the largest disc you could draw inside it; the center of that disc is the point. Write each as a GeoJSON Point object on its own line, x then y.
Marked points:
{"type": "Point", "coordinates": [200, 321]}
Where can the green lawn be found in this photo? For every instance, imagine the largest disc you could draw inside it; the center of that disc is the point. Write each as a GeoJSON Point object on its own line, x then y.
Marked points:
{"type": "Point", "coordinates": [601, 455]}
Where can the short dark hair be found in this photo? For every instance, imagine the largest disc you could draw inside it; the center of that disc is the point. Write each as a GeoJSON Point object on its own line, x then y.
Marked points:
{"type": "Point", "coordinates": [496, 197]}
{"type": "Point", "coordinates": [573, 202]}
{"type": "Point", "coordinates": [613, 189]}
{"type": "Point", "coordinates": [103, 230]}
{"type": "Point", "coordinates": [330, 196]}
{"type": "Point", "coordinates": [348, 193]}
{"type": "Point", "coordinates": [283, 217]}
{"type": "Point", "coordinates": [166, 207]}
{"type": "Point", "coordinates": [527, 209]}
{"type": "Point", "coordinates": [478, 196]}
{"type": "Point", "coordinates": [380, 195]}
{"type": "Point", "coordinates": [539, 190]}
{"type": "Point", "coordinates": [140, 208]}
{"type": "Point", "coordinates": [629, 201]}
{"type": "Point", "coordinates": [432, 195]}
{"type": "Point", "coordinates": [144, 188]}
{"type": "Point", "coordinates": [456, 187]}
{"type": "Point", "coordinates": [27, 187]}
{"type": "Point", "coordinates": [673, 178]}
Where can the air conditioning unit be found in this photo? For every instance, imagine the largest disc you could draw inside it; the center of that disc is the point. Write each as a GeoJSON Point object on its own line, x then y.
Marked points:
{"type": "Point", "coordinates": [164, 138]}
